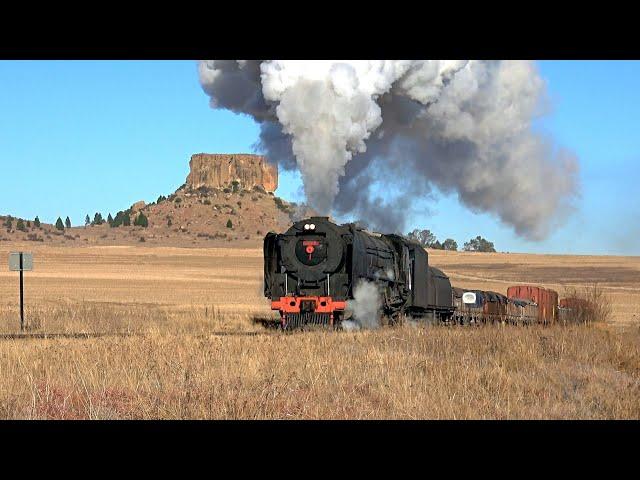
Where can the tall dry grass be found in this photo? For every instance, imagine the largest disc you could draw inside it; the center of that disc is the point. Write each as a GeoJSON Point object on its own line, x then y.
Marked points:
{"type": "Point", "coordinates": [121, 318]}
{"type": "Point", "coordinates": [176, 368]}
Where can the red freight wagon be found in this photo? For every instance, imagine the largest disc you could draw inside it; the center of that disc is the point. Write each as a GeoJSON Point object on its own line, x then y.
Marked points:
{"type": "Point", "coordinates": [546, 299]}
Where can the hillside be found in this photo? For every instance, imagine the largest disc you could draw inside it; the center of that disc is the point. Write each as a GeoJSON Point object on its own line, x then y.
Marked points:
{"type": "Point", "coordinates": [186, 218]}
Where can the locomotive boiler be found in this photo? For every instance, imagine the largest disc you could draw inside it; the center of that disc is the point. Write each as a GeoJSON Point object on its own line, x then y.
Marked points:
{"type": "Point", "coordinates": [311, 271]}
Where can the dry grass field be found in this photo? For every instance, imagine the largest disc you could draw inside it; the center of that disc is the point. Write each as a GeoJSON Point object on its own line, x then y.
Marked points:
{"type": "Point", "coordinates": [175, 338]}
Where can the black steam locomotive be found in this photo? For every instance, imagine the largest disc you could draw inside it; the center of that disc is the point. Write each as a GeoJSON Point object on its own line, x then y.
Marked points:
{"type": "Point", "coordinates": [311, 271]}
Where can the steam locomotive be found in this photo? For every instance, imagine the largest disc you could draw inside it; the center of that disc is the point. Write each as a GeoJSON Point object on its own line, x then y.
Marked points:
{"type": "Point", "coordinates": [312, 270]}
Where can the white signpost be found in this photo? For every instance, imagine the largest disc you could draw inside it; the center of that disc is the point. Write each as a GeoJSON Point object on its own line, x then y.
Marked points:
{"type": "Point", "coordinates": [21, 262]}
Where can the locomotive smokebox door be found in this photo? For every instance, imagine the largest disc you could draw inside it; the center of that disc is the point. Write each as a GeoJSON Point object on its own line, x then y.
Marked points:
{"type": "Point", "coordinates": [311, 250]}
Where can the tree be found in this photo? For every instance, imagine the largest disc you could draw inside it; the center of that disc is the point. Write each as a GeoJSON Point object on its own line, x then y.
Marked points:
{"type": "Point", "coordinates": [59, 224]}
{"type": "Point", "coordinates": [437, 245]}
{"type": "Point", "coordinates": [110, 220]}
{"type": "Point", "coordinates": [67, 222]}
{"type": "Point", "coordinates": [36, 222]}
{"type": "Point", "coordinates": [122, 218]}
{"type": "Point", "coordinates": [423, 237]}
{"type": "Point", "coordinates": [87, 221]}
{"type": "Point", "coordinates": [450, 244]}
{"type": "Point", "coordinates": [479, 244]}
{"type": "Point", "coordinates": [97, 219]}
{"type": "Point", "coordinates": [141, 220]}
{"type": "Point", "coordinates": [169, 222]}
{"type": "Point", "coordinates": [229, 224]}
{"type": "Point", "coordinates": [20, 225]}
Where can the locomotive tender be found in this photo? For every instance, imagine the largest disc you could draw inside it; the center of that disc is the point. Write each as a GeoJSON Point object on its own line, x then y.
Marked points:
{"type": "Point", "coordinates": [311, 271]}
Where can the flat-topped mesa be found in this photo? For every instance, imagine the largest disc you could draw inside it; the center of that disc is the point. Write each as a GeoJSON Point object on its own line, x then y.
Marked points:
{"type": "Point", "coordinates": [219, 170]}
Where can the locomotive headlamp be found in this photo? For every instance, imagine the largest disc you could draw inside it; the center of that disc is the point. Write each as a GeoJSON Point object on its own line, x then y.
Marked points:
{"type": "Point", "coordinates": [307, 226]}
{"type": "Point", "coordinates": [312, 227]}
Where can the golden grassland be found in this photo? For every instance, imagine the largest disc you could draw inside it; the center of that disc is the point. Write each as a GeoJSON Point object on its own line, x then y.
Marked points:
{"type": "Point", "coordinates": [179, 341]}
{"type": "Point", "coordinates": [410, 373]}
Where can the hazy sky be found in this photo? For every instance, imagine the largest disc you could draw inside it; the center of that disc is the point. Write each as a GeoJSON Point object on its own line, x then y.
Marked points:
{"type": "Point", "coordinates": [81, 137]}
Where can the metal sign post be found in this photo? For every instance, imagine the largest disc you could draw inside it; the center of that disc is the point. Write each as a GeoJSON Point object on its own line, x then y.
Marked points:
{"type": "Point", "coordinates": [21, 261]}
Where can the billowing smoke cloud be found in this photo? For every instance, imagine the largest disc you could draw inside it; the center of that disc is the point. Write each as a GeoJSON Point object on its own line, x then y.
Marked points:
{"type": "Point", "coordinates": [354, 128]}
{"type": "Point", "coordinates": [365, 307]}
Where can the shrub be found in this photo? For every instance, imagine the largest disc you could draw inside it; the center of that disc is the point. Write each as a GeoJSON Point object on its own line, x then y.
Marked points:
{"type": "Point", "coordinates": [281, 205]}
{"type": "Point", "coordinates": [229, 224]}
{"type": "Point", "coordinates": [235, 186]}
{"type": "Point", "coordinates": [36, 222]}
{"type": "Point", "coordinates": [178, 200]}
{"type": "Point", "coordinates": [20, 225]}
{"type": "Point", "coordinates": [142, 239]}
{"type": "Point", "coordinates": [588, 304]}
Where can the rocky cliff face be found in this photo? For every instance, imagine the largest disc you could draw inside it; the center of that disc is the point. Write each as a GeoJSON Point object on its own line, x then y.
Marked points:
{"type": "Point", "coordinates": [220, 170]}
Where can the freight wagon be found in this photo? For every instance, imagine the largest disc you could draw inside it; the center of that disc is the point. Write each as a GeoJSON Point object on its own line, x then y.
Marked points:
{"type": "Point", "coordinates": [545, 299]}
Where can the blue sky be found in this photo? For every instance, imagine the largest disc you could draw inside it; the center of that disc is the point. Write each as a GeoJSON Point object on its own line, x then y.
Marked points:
{"type": "Point", "coordinates": [80, 137]}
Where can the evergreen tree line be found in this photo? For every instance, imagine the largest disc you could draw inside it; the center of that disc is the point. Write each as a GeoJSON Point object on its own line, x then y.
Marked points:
{"type": "Point", "coordinates": [122, 218]}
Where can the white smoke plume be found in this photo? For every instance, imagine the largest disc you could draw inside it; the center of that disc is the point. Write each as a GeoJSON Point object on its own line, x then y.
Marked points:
{"type": "Point", "coordinates": [409, 127]}
{"type": "Point", "coordinates": [365, 307]}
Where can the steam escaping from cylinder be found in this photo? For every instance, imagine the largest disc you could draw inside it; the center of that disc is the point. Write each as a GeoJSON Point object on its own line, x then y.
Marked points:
{"type": "Point", "coordinates": [412, 128]}
{"type": "Point", "coordinates": [364, 308]}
